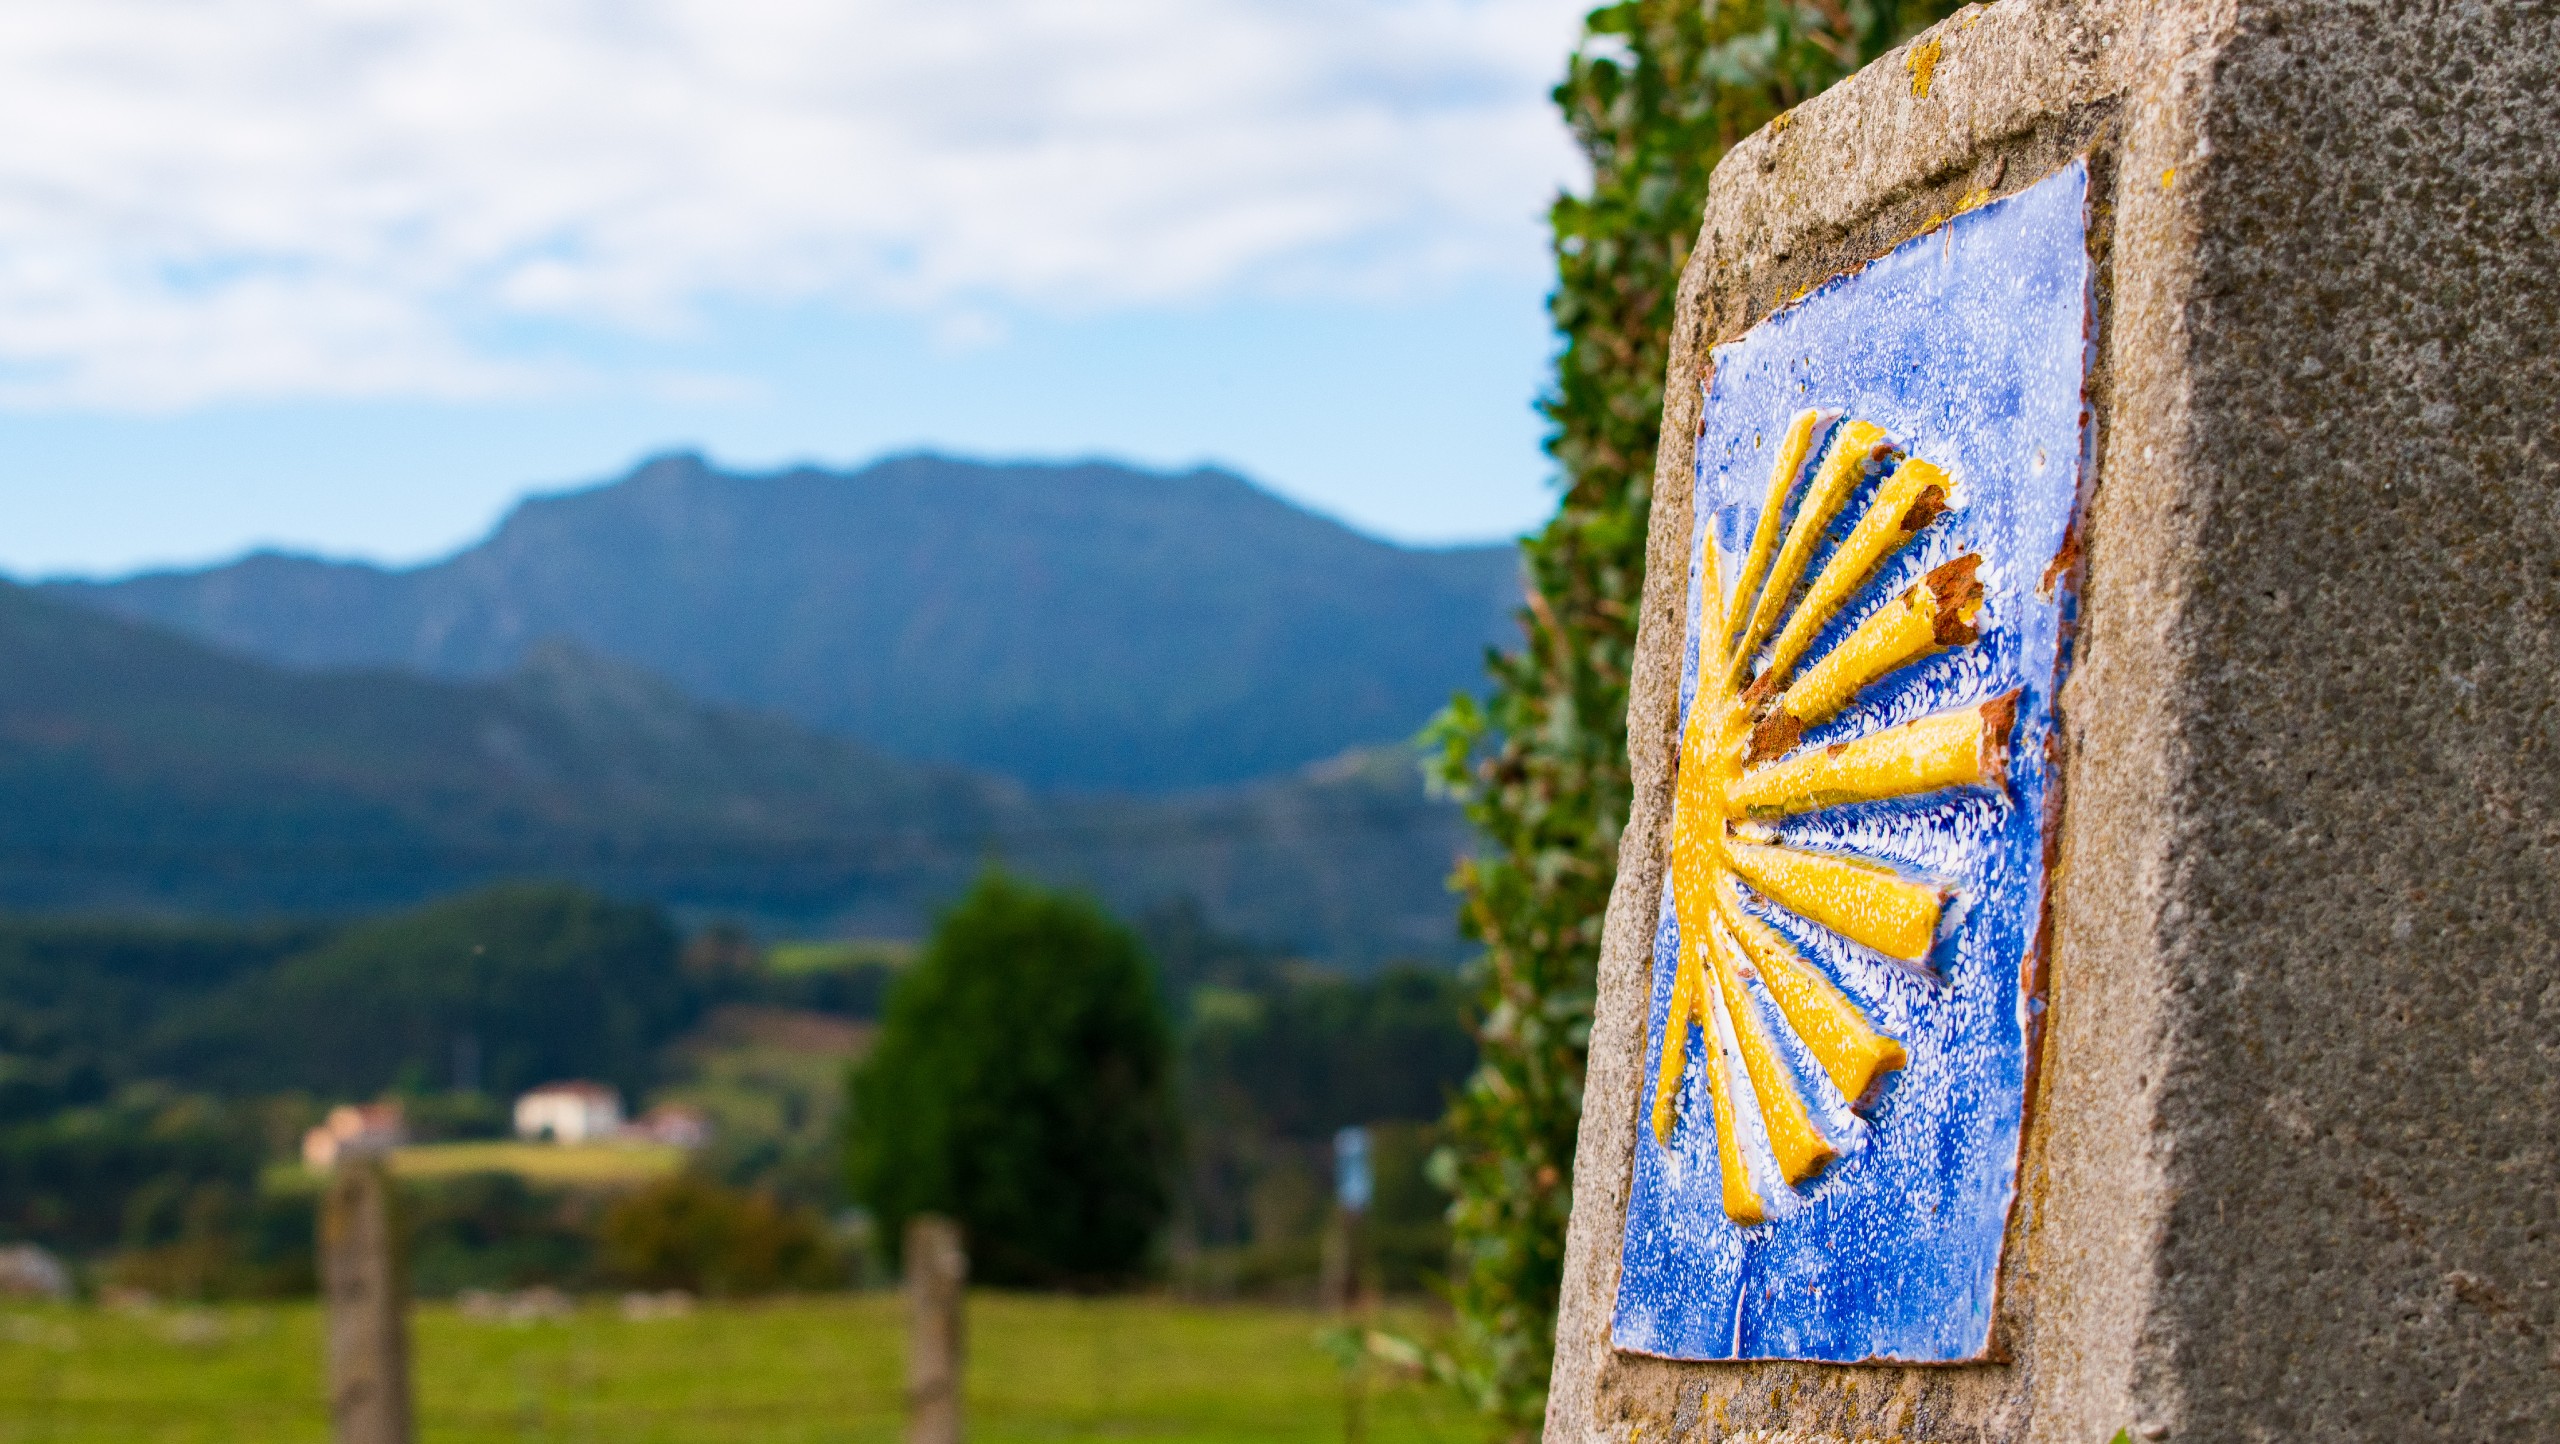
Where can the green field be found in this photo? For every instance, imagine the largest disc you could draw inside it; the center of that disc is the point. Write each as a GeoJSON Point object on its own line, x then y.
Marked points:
{"type": "Point", "coordinates": [594, 1163]}
{"type": "Point", "coordinates": [832, 957]}
{"type": "Point", "coordinates": [582, 1164]}
{"type": "Point", "coordinates": [789, 1372]}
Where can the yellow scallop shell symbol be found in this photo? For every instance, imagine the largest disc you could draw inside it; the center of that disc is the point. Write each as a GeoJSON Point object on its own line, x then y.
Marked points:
{"type": "Point", "coordinates": [1759, 687]}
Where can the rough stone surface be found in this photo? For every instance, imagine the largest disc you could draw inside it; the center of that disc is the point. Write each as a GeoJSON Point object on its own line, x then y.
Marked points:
{"type": "Point", "coordinates": [2293, 1161]}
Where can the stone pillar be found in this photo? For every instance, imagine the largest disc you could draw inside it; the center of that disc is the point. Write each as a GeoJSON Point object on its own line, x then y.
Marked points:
{"type": "Point", "coordinates": [937, 1345]}
{"type": "Point", "coordinates": [366, 1294]}
{"type": "Point", "coordinates": [2278, 1160]}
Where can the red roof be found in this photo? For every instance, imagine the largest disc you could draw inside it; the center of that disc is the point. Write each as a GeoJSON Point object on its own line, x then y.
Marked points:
{"type": "Point", "coordinates": [596, 1092]}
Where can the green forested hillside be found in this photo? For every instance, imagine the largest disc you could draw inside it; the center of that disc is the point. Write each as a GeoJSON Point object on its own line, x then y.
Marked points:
{"type": "Point", "coordinates": [82, 999]}
{"type": "Point", "coordinates": [522, 984]}
{"type": "Point", "coordinates": [141, 770]}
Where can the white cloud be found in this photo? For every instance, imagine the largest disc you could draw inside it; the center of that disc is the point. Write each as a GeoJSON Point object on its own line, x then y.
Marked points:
{"type": "Point", "coordinates": [211, 199]}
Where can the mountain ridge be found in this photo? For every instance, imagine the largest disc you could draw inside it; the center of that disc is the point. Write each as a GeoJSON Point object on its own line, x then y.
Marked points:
{"type": "Point", "coordinates": [1082, 624]}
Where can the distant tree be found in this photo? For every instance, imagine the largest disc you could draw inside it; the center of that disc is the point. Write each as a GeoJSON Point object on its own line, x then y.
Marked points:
{"type": "Point", "coordinates": [499, 1231]}
{"type": "Point", "coordinates": [1021, 1085]}
{"type": "Point", "coordinates": [1654, 95]}
{"type": "Point", "coordinates": [211, 1239]}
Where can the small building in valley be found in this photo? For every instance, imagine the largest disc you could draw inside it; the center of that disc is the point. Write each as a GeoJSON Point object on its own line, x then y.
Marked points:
{"type": "Point", "coordinates": [28, 1271]}
{"type": "Point", "coordinates": [574, 1112]}
{"type": "Point", "coordinates": [351, 1129]}
{"type": "Point", "coordinates": [677, 1125]}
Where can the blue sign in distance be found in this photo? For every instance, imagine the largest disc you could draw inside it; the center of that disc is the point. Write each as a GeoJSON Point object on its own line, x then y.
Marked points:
{"type": "Point", "coordinates": [1352, 1183]}
{"type": "Point", "coordinates": [1846, 980]}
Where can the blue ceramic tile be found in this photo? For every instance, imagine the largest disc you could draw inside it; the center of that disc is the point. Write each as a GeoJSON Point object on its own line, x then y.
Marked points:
{"type": "Point", "coordinates": [1968, 348]}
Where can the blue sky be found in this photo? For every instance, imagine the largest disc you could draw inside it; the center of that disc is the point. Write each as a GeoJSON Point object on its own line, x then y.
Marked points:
{"type": "Point", "coordinates": [351, 275]}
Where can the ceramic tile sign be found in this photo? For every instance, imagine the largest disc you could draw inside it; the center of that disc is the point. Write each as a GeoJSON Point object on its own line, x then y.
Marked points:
{"type": "Point", "coordinates": [1845, 984]}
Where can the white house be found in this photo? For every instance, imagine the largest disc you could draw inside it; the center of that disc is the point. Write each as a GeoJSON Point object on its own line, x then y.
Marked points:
{"type": "Point", "coordinates": [569, 1113]}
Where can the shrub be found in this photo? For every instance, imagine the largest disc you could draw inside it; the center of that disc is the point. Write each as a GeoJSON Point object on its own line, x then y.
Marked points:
{"type": "Point", "coordinates": [688, 1232]}
{"type": "Point", "coordinates": [1020, 1085]}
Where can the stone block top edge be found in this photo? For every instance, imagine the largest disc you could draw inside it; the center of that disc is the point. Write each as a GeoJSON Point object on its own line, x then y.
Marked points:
{"type": "Point", "coordinates": [1916, 134]}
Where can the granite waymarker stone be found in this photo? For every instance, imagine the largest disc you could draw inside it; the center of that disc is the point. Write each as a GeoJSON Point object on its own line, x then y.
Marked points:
{"type": "Point", "coordinates": [2087, 940]}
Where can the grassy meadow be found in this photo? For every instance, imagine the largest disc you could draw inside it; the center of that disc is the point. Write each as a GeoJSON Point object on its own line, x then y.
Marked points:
{"type": "Point", "coordinates": [575, 1164]}
{"type": "Point", "coordinates": [791, 1371]}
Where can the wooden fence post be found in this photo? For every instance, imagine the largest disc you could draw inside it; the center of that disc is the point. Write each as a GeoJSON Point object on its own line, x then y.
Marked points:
{"type": "Point", "coordinates": [937, 1271]}
{"type": "Point", "coordinates": [368, 1307]}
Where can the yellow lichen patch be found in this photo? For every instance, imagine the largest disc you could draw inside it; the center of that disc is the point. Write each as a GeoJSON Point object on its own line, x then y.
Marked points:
{"type": "Point", "coordinates": [1852, 1053]}
{"type": "Point", "coordinates": [1973, 199]}
{"type": "Point", "coordinates": [1965, 748]}
{"type": "Point", "coordinates": [1740, 720]}
{"type": "Point", "coordinates": [1860, 900]}
{"type": "Point", "coordinates": [1933, 615]}
{"type": "Point", "coordinates": [1922, 62]}
{"type": "Point", "coordinates": [2168, 178]}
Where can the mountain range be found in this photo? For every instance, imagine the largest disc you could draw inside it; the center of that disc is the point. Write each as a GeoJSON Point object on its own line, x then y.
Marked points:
{"type": "Point", "coordinates": [1077, 625]}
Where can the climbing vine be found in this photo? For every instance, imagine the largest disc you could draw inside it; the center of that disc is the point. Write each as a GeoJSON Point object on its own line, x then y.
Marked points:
{"type": "Point", "coordinates": [1655, 93]}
